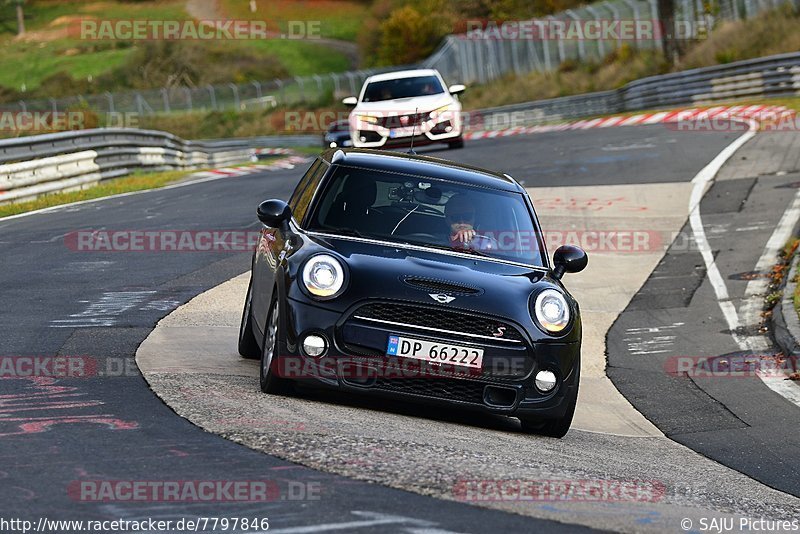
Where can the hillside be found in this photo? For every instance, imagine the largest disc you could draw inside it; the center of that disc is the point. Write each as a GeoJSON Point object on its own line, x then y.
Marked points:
{"type": "Point", "coordinates": [52, 60]}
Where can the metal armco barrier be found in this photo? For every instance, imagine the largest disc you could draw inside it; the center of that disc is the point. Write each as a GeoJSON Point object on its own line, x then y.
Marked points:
{"type": "Point", "coordinates": [30, 166]}
{"type": "Point", "coordinates": [765, 77]}
{"type": "Point", "coordinates": [36, 165]}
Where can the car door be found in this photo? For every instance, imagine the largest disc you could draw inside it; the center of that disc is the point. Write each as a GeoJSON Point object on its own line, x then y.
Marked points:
{"type": "Point", "coordinates": [272, 244]}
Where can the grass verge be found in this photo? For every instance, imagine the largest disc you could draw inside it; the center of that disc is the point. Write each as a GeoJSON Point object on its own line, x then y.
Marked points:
{"type": "Point", "coordinates": [139, 181]}
{"type": "Point", "coordinates": [136, 182]}
{"type": "Point", "coordinates": [338, 19]}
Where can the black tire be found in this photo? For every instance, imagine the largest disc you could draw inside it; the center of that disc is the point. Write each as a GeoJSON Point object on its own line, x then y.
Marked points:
{"type": "Point", "coordinates": [248, 346]}
{"type": "Point", "coordinates": [555, 428]}
{"type": "Point", "coordinates": [268, 378]}
{"type": "Point", "coordinates": [458, 143]}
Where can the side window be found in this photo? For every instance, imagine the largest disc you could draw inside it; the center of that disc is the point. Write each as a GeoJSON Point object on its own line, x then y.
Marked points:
{"type": "Point", "coordinates": [305, 190]}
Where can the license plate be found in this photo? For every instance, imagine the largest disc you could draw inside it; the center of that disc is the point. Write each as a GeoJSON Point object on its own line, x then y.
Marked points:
{"type": "Point", "coordinates": [433, 351]}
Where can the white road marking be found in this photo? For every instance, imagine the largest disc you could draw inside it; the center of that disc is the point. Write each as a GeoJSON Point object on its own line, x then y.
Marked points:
{"type": "Point", "coordinates": [104, 311]}
{"type": "Point", "coordinates": [700, 181]}
{"type": "Point", "coordinates": [639, 344]}
{"type": "Point", "coordinates": [371, 519]}
{"type": "Point", "coordinates": [755, 288]}
{"type": "Point", "coordinates": [754, 297]}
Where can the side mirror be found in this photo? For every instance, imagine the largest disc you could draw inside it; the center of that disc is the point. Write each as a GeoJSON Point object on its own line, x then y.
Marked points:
{"type": "Point", "coordinates": [569, 259]}
{"type": "Point", "coordinates": [350, 101]}
{"type": "Point", "coordinates": [274, 213]}
{"type": "Point", "coordinates": [456, 89]}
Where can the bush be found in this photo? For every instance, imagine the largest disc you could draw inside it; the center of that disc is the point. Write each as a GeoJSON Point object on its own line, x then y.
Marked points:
{"type": "Point", "coordinates": [408, 36]}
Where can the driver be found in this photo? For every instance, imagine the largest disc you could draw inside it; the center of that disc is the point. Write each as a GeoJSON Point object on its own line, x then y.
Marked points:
{"type": "Point", "coordinates": [460, 215]}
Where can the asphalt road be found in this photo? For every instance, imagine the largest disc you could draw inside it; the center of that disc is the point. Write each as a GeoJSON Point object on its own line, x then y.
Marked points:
{"type": "Point", "coordinates": [733, 418]}
{"type": "Point", "coordinates": [61, 302]}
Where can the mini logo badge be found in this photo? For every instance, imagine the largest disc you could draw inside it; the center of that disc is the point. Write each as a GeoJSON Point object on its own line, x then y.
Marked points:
{"type": "Point", "coordinates": [404, 120]}
{"type": "Point", "coordinates": [441, 298]}
{"type": "Point", "coordinates": [500, 332]}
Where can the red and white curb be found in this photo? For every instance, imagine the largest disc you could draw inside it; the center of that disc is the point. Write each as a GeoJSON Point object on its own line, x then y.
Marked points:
{"type": "Point", "coordinates": [281, 164]}
{"type": "Point", "coordinates": [705, 119]}
{"type": "Point", "coordinates": [274, 151]}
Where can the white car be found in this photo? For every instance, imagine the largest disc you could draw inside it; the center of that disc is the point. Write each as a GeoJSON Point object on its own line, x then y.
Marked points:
{"type": "Point", "coordinates": [394, 107]}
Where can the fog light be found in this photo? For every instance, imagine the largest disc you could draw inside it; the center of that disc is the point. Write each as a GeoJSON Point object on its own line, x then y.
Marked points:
{"type": "Point", "coordinates": [315, 345]}
{"type": "Point", "coordinates": [448, 128]}
{"type": "Point", "coordinates": [545, 381]}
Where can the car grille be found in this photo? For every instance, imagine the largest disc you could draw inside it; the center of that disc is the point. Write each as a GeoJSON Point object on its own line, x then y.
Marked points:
{"type": "Point", "coordinates": [428, 318]}
{"type": "Point", "coordinates": [401, 121]}
{"type": "Point", "coordinates": [459, 390]}
{"type": "Point", "coordinates": [440, 286]}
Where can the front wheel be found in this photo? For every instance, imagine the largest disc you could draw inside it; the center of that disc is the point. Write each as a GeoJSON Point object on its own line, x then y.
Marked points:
{"type": "Point", "coordinates": [269, 379]}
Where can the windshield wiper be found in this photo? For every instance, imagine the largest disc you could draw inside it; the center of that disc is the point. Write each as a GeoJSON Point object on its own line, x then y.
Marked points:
{"type": "Point", "coordinates": [470, 251]}
{"type": "Point", "coordinates": [351, 232]}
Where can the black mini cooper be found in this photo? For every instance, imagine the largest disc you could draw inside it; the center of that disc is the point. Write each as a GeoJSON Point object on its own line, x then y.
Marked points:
{"type": "Point", "coordinates": [417, 278]}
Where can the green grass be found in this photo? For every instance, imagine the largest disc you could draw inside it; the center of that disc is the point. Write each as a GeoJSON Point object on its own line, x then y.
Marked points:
{"type": "Point", "coordinates": [135, 182]}
{"type": "Point", "coordinates": [50, 47]}
{"type": "Point", "coordinates": [138, 181]}
{"type": "Point", "coordinates": [302, 58]}
{"type": "Point", "coordinates": [339, 19]}
{"type": "Point", "coordinates": [28, 63]}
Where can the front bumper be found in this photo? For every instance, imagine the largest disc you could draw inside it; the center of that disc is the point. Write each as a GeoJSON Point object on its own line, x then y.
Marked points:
{"type": "Point", "coordinates": [443, 130]}
{"type": "Point", "coordinates": [355, 361]}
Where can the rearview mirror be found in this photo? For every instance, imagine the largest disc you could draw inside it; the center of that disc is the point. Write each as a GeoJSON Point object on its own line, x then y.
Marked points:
{"type": "Point", "coordinates": [457, 88]}
{"type": "Point", "coordinates": [350, 101]}
{"type": "Point", "coordinates": [569, 259]}
{"type": "Point", "coordinates": [274, 213]}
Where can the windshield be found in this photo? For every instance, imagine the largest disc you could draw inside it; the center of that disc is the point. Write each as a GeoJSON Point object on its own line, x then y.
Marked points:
{"type": "Point", "coordinates": [402, 88]}
{"type": "Point", "coordinates": [422, 211]}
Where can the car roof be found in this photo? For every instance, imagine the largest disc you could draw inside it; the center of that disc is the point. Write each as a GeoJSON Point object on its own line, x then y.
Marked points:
{"type": "Point", "coordinates": [420, 166]}
{"type": "Point", "coordinates": [401, 74]}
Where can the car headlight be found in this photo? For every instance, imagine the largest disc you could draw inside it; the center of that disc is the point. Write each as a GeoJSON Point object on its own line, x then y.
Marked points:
{"type": "Point", "coordinates": [323, 276]}
{"type": "Point", "coordinates": [372, 119]}
{"type": "Point", "coordinates": [438, 111]}
{"type": "Point", "coordinates": [551, 310]}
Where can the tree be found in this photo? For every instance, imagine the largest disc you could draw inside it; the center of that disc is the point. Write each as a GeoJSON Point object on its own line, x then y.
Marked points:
{"type": "Point", "coordinates": [20, 14]}
{"type": "Point", "coordinates": [20, 18]}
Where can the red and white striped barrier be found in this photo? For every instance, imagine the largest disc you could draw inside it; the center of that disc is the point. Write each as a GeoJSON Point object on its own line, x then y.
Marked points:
{"type": "Point", "coordinates": [280, 164]}
{"type": "Point", "coordinates": [273, 151]}
{"type": "Point", "coordinates": [698, 119]}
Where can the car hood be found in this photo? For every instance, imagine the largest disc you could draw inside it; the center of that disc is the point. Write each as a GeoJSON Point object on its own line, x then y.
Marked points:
{"type": "Point", "coordinates": [405, 105]}
{"type": "Point", "coordinates": [379, 271]}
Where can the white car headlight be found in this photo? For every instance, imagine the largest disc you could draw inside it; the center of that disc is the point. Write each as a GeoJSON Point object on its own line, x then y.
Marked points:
{"type": "Point", "coordinates": [323, 276]}
{"type": "Point", "coordinates": [371, 119]}
{"type": "Point", "coordinates": [436, 113]}
{"type": "Point", "coordinates": [551, 310]}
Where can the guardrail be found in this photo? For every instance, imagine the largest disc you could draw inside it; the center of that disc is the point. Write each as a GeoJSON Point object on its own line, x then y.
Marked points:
{"type": "Point", "coordinates": [765, 77]}
{"type": "Point", "coordinates": [32, 166]}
